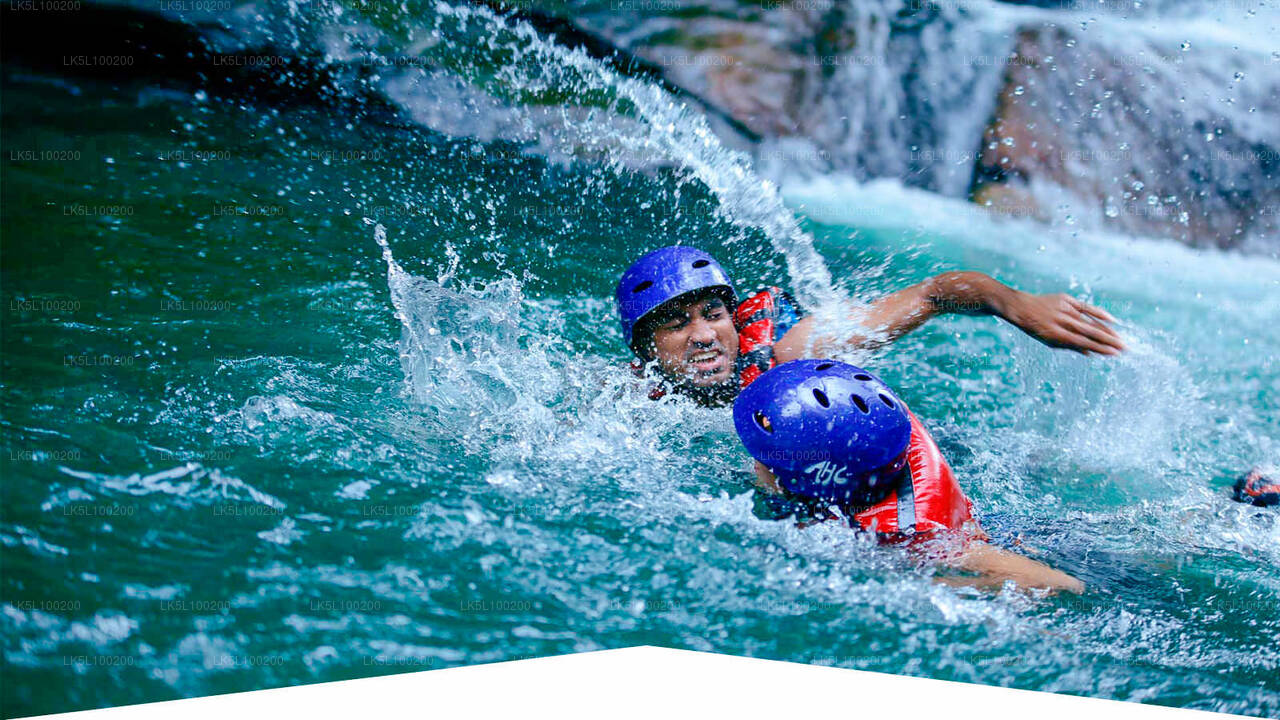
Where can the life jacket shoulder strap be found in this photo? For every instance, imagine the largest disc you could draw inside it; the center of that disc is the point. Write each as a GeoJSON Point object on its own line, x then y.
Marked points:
{"type": "Point", "coordinates": [761, 320]}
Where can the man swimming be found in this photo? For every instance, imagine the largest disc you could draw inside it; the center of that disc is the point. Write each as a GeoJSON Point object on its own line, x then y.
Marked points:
{"type": "Point", "coordinates": [839, 444]}
{"type": "Point", "coordinates": [681, 316]}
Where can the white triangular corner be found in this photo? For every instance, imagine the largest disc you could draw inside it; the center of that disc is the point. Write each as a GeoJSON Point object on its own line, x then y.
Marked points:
{"type": "Point", "coordinates": [649, 682]}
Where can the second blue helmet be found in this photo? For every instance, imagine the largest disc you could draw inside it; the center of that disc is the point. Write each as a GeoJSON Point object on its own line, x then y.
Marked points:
{"type": "Point", "coordinates": [662, 276]}
{"type": "Point", "coordinates": [828, 430]}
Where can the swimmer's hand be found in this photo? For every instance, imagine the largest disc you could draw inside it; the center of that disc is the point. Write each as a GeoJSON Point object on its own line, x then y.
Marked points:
{"type": "Point", "coordinates": [1061, 321]}
{"type": "Point", "coordinates": [995, 566]}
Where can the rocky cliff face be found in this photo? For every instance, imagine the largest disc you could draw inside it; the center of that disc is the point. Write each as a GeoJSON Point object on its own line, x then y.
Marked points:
{"type": "Point", "coordinates": [1034, 112]}
{"type": "Point", "coordinates": [1126, 136]}
{"type": "Point", "coordinates": [875, 88]}
{"type": "Point", "coordinates": [1025, 110]}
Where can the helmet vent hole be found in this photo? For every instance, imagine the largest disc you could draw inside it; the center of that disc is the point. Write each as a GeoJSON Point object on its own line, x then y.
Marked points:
{"type": "Point", "coordinates": [642, 286]}
{"type": "Point", "coordinates": [821, 397]}
{"type": "Point", "coordinates": [886, 400]}
{"type": "Point", "coordinates": [824, 366]}
{"type": "Point", "coordinates": [701, 263]}
{"type": "Point", "coordinates": [862, 376]}
{"type": "Point", "coordinates": [862, 404]}
{"type": "Point", "coordinates": [763, 421]}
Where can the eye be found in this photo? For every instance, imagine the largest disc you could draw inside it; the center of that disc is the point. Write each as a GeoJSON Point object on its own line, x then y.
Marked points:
{"type": "Point", "coordinates": [763, 422]}
{"type": "Point", "coordinates": [674, 323]}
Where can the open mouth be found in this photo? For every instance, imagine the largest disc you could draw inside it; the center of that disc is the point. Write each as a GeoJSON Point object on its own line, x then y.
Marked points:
{"type": "Point", "coordinates": [706, 362]}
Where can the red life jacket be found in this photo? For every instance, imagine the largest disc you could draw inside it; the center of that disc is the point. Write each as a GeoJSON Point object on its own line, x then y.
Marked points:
{"type": "Point", "coordinates": [927, 500]}
{"type": "Point", "coordinates": [1258, 489]}
{"type": "Point", "coordinates": [756, 319]}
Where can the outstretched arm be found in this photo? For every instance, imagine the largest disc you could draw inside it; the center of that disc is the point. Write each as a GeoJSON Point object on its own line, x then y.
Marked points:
{"type": "Point", "coordinates": [1057, 320]}
{"type": "Point", "coordinates": [994, 566]}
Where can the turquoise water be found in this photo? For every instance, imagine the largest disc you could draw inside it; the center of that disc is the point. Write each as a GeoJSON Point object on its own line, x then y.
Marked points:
{"type": "Point", "coordinates": [245, 448]}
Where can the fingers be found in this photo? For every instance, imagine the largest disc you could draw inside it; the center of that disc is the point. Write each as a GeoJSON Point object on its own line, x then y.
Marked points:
{"type": "Point", "coordinates": [1109, 343]}
{"type": "Point", "coordinates": [1090, 322]}
{"type": "Point", "coordinates": [1102, 334]}
{"type": "Point", "coordinates": [1093, 337]}
{"type": "Point", "coordinates": [1092, 310]}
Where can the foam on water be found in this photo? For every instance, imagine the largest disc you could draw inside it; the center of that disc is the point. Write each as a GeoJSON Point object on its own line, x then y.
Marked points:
{"type": "Point", "coordinates": [190, 481]}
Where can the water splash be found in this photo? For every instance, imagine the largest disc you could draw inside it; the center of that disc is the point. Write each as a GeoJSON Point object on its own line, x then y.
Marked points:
{"type": "Point", "coordinates": [189, 481]}
{"type": "Point", "coordinates": [661, 127]}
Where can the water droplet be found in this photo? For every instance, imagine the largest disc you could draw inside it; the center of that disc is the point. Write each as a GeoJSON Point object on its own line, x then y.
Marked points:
{"type": "Point", "coordinates": [1018, 90]}
{"type": "Point", "coordinates": [1112, 211]}
{"type": "Point", "coordinates": [201, 96]}
{"type": "Point", "coordinates": [1007, 142]}
{"type": "Point", "coordinates": [1186, 46]}
{"type": "Point", "coordinates": [1239, 76]}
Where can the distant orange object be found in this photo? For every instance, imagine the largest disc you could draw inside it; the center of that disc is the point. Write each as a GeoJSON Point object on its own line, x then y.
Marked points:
{"type": "Point", "coordinates": [1258, 489]}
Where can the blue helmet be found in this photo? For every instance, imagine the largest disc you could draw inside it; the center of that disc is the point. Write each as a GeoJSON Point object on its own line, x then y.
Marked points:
{"type": "Point", "coordinates": [662, 276]}
{"type": "Point", "coordinates": [829, 431]}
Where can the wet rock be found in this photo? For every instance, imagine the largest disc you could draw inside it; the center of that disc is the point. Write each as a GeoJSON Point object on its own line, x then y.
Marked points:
{"type": "Point", "coordinates": [756, 63]}
{"type": "Point", "coordinates": [878, 88]}
{"type": "Point", "coordinates": [1139, 138]}
{"type": "Point", "coordinates": [225, 54]}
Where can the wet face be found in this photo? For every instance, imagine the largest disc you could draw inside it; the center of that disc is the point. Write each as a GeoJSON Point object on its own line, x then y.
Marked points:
{"type": "Point", "coordinates": [695, 341]}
